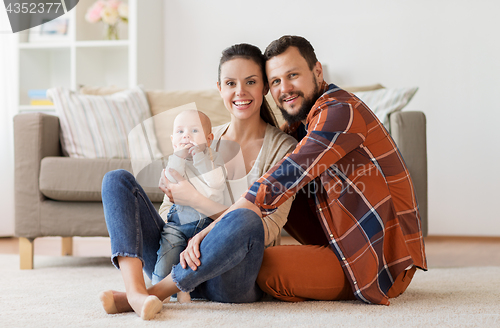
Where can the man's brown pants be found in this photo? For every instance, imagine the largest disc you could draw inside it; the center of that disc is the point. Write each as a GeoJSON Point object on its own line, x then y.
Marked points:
{"type": "Point", "coordinates": [300, 272]}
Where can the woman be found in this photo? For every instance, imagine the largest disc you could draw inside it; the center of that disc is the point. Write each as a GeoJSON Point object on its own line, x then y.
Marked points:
{"type": "Point", "coordinates": [229, 257]}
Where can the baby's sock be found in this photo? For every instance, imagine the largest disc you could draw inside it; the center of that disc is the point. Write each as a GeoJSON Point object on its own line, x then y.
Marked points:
{"type": "Point", "coordinates": [183, 297]}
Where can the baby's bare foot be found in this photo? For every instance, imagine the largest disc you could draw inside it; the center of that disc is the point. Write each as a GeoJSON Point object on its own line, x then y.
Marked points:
{"type": "Point", "coordinates": [152, 305]}
{"type": "Point", "coordinates": [108, 302]}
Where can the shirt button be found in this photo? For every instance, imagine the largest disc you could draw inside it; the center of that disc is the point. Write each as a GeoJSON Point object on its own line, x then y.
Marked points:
{"type": "Point", "coordinates": [343, 259]}
{"type": "Point", "coordinates": [355, 282]}
{"type": "Point", "coordinates": [320, 210]}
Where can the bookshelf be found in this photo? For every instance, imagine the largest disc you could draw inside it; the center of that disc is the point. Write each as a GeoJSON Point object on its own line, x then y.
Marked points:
{"type": "Point", "coordinates": [85, 58]}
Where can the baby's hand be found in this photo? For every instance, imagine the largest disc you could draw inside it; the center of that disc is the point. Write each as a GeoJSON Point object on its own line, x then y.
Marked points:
{"type": "Point", "coordinates": [183, 150]}
{"type": "Point", "coordinates": [195, 149]}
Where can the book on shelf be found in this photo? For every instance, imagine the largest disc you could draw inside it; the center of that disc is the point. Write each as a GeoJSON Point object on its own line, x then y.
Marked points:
{"type": "Point", "coordinates": [37, 93]}
{"type": "Point", "coordinates": [41, 102]}
{"type": "Point", "coordinates": [38, 97]}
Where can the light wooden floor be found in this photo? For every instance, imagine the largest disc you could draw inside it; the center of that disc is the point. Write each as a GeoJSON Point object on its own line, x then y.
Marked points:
{"type": "Point", "coordinates": [441, 251]}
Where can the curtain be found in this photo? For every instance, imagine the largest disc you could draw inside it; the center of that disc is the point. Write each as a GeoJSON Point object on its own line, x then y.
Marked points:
{"type": "Point", "coordinates": [7, 111]}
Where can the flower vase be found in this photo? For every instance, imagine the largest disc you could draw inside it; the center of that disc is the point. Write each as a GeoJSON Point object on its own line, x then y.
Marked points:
{"type": "Point", "coordinates": [111, 32]}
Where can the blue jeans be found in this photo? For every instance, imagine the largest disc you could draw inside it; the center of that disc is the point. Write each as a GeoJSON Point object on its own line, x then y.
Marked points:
{"type": "Point", "coordinates": [231, 254]}
{"type": "Point", "coordinates": [175, 236]}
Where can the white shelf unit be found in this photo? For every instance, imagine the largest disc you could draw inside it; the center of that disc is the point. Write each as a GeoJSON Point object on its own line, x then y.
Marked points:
{"type": "Point", "coordinates": [85, 58]}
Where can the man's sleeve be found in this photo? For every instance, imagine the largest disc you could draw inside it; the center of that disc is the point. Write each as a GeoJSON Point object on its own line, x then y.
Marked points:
{"type": "Point", "coordinates": [334, 130]}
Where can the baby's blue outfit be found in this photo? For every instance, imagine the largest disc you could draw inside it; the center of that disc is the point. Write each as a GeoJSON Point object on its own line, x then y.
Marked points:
{"type": "Point", "coordinates": [183, 222]}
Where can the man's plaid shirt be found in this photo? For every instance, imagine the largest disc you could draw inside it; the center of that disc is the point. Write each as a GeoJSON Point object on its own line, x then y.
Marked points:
{"type": "Point", "coordinates": [368, 210]}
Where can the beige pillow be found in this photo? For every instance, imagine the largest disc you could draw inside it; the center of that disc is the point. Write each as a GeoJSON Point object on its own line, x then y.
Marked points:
{"type": "Point", "coordinates": [360, 88]}
{"type": "Point", "coordinates": [99, 91]}
{"type": "Point", "coordinates": [208, 101]}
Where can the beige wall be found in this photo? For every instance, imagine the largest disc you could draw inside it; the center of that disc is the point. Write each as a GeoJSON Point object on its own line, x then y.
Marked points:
{"type": "Point", "coordinates": [448, 48]}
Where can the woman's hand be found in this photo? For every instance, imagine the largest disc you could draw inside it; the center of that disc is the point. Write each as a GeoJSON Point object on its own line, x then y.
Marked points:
{"type": "Point", "coordinates": [180, 193]}
{"type": "Point", "coordinates": [164, 185]}
{"type": "Point", "coordinates": [191, 255]}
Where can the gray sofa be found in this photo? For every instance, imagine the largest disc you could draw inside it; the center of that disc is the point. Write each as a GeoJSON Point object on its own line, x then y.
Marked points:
{"type": "Point", "coordinates": [60, 196]}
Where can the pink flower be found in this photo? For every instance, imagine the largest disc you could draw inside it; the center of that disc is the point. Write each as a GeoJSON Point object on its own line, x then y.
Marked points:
{"type": "Point", "coordinates": [114, 3]}
{"type": "Point", "coordinates": [94, 12]}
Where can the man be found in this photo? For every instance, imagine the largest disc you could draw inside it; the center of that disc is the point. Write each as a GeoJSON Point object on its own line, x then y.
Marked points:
{"type": "Point", "coordinates": [356, 184]}
{"type": "Point", "coordinates": [355, 208]}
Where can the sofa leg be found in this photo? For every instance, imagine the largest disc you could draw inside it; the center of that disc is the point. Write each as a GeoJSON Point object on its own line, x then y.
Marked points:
{"type": "Point", "coordinates": [67, 246]}
{"type": "Point", "coordinates": [26, 253]}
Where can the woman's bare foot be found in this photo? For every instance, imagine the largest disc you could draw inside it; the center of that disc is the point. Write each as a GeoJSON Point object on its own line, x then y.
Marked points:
{"type": "Point", "coordinates": [108, 302]}
{"type": "Point", "coordinates": [152, 305]}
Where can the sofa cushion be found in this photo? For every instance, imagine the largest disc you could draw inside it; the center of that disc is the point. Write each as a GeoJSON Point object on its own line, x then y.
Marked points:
{"type": "Point", "coordinates": [79, 179]}
{"type": "Point", "coordinates": [112, 126]}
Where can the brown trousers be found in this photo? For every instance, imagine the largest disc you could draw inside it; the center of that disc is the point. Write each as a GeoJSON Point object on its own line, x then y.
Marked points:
{"type": "Point", "coordinates": [300, 272]}
{"type": "Point", "coordinates": [310, 271]}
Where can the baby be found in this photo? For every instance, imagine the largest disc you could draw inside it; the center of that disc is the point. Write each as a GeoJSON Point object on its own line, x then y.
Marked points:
{"type": "Point", "coordinates": [204, 169]}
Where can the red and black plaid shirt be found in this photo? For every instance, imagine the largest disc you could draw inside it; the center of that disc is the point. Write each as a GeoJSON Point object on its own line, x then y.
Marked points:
{"type": "Point", "coordinates": [368, 210]}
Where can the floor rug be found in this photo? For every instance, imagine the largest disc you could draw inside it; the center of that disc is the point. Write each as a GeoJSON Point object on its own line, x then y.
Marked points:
{"type": "Point", "coordinates": [62, 292]}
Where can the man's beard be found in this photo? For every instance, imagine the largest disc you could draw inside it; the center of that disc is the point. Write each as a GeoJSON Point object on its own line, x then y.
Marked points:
{"type": "Point", "coordinates": [306, 105]}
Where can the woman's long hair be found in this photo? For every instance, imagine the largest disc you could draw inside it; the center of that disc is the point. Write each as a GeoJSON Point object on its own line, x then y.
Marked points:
{"type": "Point", "coordinates": [248, 51]}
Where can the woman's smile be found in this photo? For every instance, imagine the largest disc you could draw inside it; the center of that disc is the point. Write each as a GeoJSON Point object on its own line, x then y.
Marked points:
{"type": "Point", "coordinates": [242, 104]}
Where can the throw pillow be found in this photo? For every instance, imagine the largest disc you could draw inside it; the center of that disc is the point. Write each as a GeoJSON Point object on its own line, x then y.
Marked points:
{"type": "Point", "coordinates": [385, 101]}
{"type": "Point", "coordinates": [165, 105]}
{"type": "Point", "coordinates": [360, 88]}
{"type": "Point", "coordinates": [112, 126]}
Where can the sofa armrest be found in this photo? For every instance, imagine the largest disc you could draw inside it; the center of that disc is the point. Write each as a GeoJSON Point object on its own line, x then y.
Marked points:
{"type": "Point", "coordinates": [36, 135]}
{"type": "Point", "coordinates": [408, 129]}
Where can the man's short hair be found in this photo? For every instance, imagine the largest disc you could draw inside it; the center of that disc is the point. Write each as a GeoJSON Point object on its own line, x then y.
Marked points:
{"type": "Point", "coordinates": [277, 47]}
